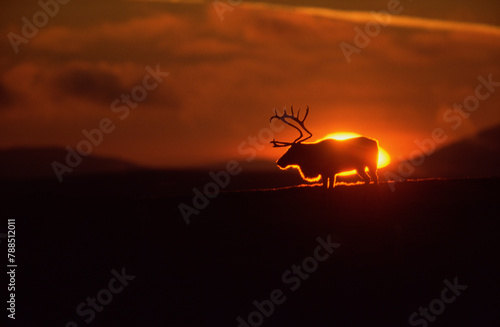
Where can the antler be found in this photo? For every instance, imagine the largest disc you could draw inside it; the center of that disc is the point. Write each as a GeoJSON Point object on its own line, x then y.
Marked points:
{"type": "Point", "coordinates": [296, 119]}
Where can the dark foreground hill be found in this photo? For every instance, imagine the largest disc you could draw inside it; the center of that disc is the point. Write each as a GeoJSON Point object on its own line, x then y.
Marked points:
{"type": "Point", "coordinates": [393, 254]}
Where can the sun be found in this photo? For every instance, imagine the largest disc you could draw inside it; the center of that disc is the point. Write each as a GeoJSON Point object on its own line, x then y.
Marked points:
{"type": "Point", "coordinates": [341, 136]}
{"type": "Point", "coordinates": [383, 156]}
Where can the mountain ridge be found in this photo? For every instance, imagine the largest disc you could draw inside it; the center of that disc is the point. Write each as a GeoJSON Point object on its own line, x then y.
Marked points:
{"type": "Point", "coordinates": [36, 162]}
{"type": "Point", "coordinates": [474, 156]}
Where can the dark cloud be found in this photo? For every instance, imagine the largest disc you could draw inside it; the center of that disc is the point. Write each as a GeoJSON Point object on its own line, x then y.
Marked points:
{"type": "Point", "coordinates": [166, 97]}
{"type": "Point", "coordinates": [94, 85]}
{"type": "Point", "coordinates": [6, 97]}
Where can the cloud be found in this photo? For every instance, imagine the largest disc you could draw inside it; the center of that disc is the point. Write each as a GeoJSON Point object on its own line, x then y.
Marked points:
{"type": "Point", "coordinates": [171, 1]}
{"type": "Point", "coordinates": [397, 20]}
{"type": "Point", "coordinates": [6, 97]}
{"type": "Point", "coordinates": [94, 85]}
{"type": "Point", "coordinates": [113, 41]}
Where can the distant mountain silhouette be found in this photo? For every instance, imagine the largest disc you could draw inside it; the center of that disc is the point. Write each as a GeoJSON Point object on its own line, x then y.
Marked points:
{"type": "Point", "coordinates": [29, 163]}
{"type": "Point", "coordinates": [476, 156]}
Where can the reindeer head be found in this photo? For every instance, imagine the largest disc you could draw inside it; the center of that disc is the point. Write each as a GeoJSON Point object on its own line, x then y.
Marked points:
{"type": "Point", "coordinates": [294, 153]}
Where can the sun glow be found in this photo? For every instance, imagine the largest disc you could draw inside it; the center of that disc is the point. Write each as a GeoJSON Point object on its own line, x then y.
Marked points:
{"type": "Point", "coordinates": [341, 136]}
{"type": "Point", "coordinates": [383, 156]}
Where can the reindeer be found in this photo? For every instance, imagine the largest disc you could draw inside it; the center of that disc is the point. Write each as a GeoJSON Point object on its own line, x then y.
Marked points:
{"type": "Point", "coordinates": [327, 158]}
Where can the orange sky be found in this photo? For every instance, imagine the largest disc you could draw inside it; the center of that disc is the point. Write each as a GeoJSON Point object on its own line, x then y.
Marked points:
{"type": "Point", "coordinates": [225, 77]}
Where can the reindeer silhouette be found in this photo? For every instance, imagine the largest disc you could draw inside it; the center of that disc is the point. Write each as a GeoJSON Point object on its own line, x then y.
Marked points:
{"type": "Point", "coordinates": [329, 157]}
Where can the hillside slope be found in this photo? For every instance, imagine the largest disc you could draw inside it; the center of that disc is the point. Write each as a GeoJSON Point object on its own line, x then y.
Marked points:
{"type": "Point", "coordinates": [476, 156]}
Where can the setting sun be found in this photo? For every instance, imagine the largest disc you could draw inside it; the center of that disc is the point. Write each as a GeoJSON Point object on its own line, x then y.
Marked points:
{"type": "Point", "coordinates": [383, 156]}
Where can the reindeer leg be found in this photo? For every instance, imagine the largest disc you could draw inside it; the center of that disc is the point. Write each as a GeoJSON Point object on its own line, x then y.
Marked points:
{"type": "Point", "coordinates": [361, 172]}
{"type": "Point", "coordinates": [325, 182]}
{"type": "Point", "coordinates": [333, 180]}
{"type": "Point", "coordinates": [373, 174]}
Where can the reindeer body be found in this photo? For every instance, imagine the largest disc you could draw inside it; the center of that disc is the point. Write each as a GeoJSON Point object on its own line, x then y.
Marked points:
{"type": "Point", "coordinates": [330, 157]}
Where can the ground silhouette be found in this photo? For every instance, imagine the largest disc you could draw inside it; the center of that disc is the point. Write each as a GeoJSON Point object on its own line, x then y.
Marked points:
{"type": "Point", "coordinates": [396, 250]}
